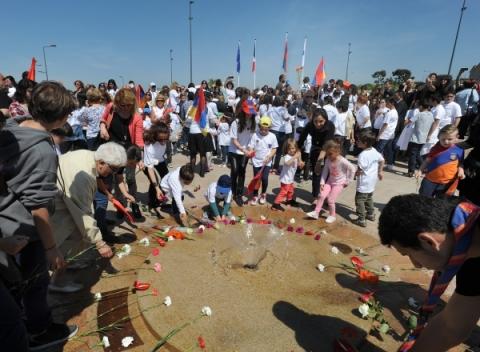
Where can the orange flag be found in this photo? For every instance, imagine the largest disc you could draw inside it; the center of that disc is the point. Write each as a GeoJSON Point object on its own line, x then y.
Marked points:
{"type": "Point", "coordinates": [31, 72]}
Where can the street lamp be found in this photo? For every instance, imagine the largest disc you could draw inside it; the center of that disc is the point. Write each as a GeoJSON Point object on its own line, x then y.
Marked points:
{"type": "Point", "coordinates": [171, 66]}
{"type": "Point", "coordinates": [348, 61]}
{"type": "Point", "coordinates": [45, 58]}
{"type": "Point", "coordinates": [456, 36]}
{"type": "Point", "coordinates": [190, 18]}
{"type": "Point", "coordinates": [123, 81]}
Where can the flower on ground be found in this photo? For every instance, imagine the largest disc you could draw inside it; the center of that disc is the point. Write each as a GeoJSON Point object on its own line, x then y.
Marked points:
{"type": "Point", "coordinates": [127, 341]}
{"type": "Point", "coordinates": [290, 228]}
{"type": "Point", "coordinates": [309, 233]}
{"type": "Point", "coordinates": [412, 302]}
{"type": "Point", "coordinates": [201, 228]}
{"type": "Point", "coordinates": [262, 217]}
{"type": "Point", "coordinates": [105, 342]}
{"type": "Point", "coordinates": [216, 226]}
{"type": "Point", "coordinates": [299, 229]}
{"type": "Point", "coordinates": [161, 242]}
{"type": "Point", "coordinates": [323, 232]}
{"type": "Point", "coordinates": [141, 286]}
{"type": "Point", "coordinates": [207, 311]}
{"type": "Point", "coordinates": [317, 237]}
{"type": "Point", "coordinates": [359, 250]}
{"type": "Point", "coordinates": [170, 238]}
{"type": "Point", "coordinates": [201, 342]}
{"type": "Point", "coordinates": [233, 218]}
{"type": "Point", "coordinates": [97, 296]}
{"type": "Point", "coordinates": [144, 241]}
{"type": "Point", "coordinates": [321, 267]}
{"type": "Point", "coordinates": [365, 298]}
{"type": "Point", "coordinates": [155, 252]}
{"type": "Point", "coordinates": [357, 262]}
{"type": "Point", "coordinates": [292, 221]}
{"type": "Point", "coordinates": [167, 301]}
{"type": "Point", "coordinates": [189, 231]}
{"type": "Point", "coordinates": [124, 251]}
{"type": "Point", "coordinates": [249, 220]}
{"type": "Point", "coordinates": [366, 275]}
{"type": "Point", "coordinates": [242, 221]}
{"type": "Point", "coordinates": [157, 267]}
{"type": "Point", "coordinates": [386, 269]}
{"type": "Point", "coordinates": [154, 292]}
{"type": "Point", "coordinates": [364, 310]}
{"type": "Point", "coordinates": [334, 250]}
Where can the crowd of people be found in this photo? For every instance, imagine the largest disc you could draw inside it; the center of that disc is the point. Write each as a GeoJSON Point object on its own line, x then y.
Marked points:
{"type": "Point", "coordinates": [64, 155]}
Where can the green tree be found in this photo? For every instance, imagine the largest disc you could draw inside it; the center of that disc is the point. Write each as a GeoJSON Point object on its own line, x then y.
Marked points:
{"type": "Point", "coordinates": [379, 76]}
{"type": "Point", "coordinates": [400, 75]}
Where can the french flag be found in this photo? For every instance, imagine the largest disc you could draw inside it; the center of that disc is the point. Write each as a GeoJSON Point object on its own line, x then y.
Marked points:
{"type": "Point", "coordinates": [285, 54]}
{"type": "Point", "coordinates": [254, 60]}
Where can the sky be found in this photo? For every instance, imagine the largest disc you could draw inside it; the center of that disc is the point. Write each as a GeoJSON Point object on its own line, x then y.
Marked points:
{"type": "Point", "coordinates": [126, 40]}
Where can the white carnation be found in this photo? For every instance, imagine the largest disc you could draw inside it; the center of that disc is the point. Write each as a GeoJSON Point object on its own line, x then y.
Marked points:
{"type": "Point", "coordinates": [207, 311]}
{"type": "Point", "coordinates": [364, 310]}
{"type": "Point", "coordinates": [321, 267]}
{"type": "Point", "coordinates": [334, 250]}
{"type": "Point", "coordinates": [127, 341]}
{"type": "Point", "coordinates": [167, 301]}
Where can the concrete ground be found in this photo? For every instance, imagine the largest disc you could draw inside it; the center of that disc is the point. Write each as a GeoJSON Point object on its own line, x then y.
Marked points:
{"type": "Point", "coordinates": [106, 276]}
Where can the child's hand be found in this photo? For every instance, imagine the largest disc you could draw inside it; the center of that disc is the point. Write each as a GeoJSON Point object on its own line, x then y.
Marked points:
{"type": "Point", "coordinates": [321, 187]}
{"type": "Point", "coordinates": [380, 175]}
{"type": "Point", "coordinates": [318, 167]}
{"type": "Point", "coordinates": [160, 195]}
{"type": "Point", "coordinates": [301, 164]}
{"type": "Point", "coordinates": [461, 173]}
{"type": "Point", "coordinates": [418, 173]}
{"type": "Point", "coordinates": [358, 172]}
{"type": "Point", "coordinates": [130, 198]}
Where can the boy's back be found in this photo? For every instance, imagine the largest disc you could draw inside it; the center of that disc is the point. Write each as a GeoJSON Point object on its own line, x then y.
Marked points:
{"type": "Point", "coordinates": [368, 161]}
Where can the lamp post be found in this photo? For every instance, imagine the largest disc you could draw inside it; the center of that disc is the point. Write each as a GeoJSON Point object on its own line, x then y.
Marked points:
{"type": "Point", "coordinates": [123, 81]}
{"type": "Point", "coordinates": [45, 58]}
{"type": "Point", "coordinates": [171, 66]}
{"type": "Point", "coordinates": [190, 18]}
{"type": "Point", "coordinates": [348, 61]}
{"type": "Point", "coordinates": [456, 36]}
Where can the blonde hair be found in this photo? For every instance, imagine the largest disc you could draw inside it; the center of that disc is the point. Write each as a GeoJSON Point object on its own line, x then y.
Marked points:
{"type": "Point", "coordinates": [288, 144]}
{"type": "Point", "coordinates": [448, 129]}
{"type": "Point", "coordinates": [95, 96]}
{"type": "Point", "coordinates": [332, 145]}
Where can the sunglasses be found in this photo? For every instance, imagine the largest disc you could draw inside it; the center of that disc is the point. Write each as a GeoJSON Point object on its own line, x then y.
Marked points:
{"type": "Point", "coordinates": [115, 169]}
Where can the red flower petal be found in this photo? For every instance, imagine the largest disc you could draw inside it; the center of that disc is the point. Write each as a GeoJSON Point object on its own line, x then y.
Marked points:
{"type": "Point", "coordinates": [155, 252]}
{"type": "Point", "coordinates": [154, 292]}
{"type": "Point", "coordinates": [366, 296]}
{"type": "Point", "coordinates": [201, 342]}
{"type": "Point", "coordinates": [357, 262]}
{"type": "Point", "coordinates": [309, 233]}
{"type": "Point", "coordinates": [317, 237]}
{"type": "Point", "coordinates": [368, 276]}
{"type": "Point", "coordinates": [141, 286]}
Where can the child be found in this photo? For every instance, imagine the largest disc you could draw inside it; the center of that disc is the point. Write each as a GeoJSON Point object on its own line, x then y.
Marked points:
{"type": "Point", "coordinates": [218, 191]}
{"type": "Point", "coordinates": [443, 165]}
{"type": "Point", "coordinates": [224, 138]}
{"type": "Point", "coordinates": [59, 134]}
{"type": "Point", "coordinates": [370, 166]}
{"type": "Point", "coordinates": [29, 168]}
{"type": "Point", "coordinates": [172, 186]}
{"type": "Point", "coordinates": [292, 161]}
{"type": "Point", "coordinates": [263, 147]}
{"type": "Point", "coordinates": [336, 175]}
{"type": "Point", "coordinates": [156, 139]}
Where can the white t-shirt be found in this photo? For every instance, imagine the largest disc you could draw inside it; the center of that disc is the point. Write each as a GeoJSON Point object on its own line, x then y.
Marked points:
{"type": "Point", "coordinates": [391, 119]}
{"type": "Point", "coordinates": [363, 117]}
{"type": "Point", "coordinates": [368, 161]}
{"type": "Point", "coordinates": [224, 133]}
{"type": "Point", "coordinates": [331, 112]}
{"type": "Point", "coordinates": [287, 176]}
{"type": "Point", "coordinates": [262, 145]}
{"type": "Point", "coordinates": [173, 188]}
{"type": "Point", "coordinates": [439, 113]}
{"type": "Point", "coordinates": [452, 110]}
{"type": "Point", "coordinates": [147, 123]}
{"type": "Point", "coordinates": [280, 118]}
{"type": "Point", "coordinates": [212, 193]}
{"type": "Point", "coordinates": [153, 154]}
{"type": "Point", "coordinates": [340, 123]}
{"type": "Point", "coordinates": [173, 97]}
{"type": "Point", "coordinates": [379, 116]}
{"type": "Point", "coordinates": [243, 137]}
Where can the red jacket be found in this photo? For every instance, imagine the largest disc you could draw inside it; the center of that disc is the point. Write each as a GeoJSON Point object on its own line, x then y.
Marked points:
{"type": "Point", "coordinates": [135, 127]}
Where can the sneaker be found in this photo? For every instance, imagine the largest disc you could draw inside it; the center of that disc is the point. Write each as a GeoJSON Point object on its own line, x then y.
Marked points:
{"type": "Point", "coordinates": [293, 203]}
{"type": "Point", "coordinates": [277, 207]}
{"type": "Point", "coordinates": [254, 201]}
{"type": "Point", "coordinates": [110, 238]}
{"type": "Point", "coordinates": [239, 201]}
{"type": "Point", "coordinates": [361, 223]}
{"type": "Point", "coordinates": [263, 199]}
{"type": "Point", "coordinates": [54, 335]}
{"type": "Point", "coordinates": [137, 214]}
{"type": "Point", "coordinates": [330, 219]}
{"type": "Point", "coordinates": [68, 288]}
{"type": "Point", "coordinates": [371, 217]}
{"type": "Point", "coordinates": [313, 215]}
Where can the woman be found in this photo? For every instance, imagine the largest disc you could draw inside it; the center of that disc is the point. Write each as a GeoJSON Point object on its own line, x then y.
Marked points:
{"type": "Point", "coordinates": [197, 144]}
{"type": "Point", "coordinates": [19, 107]}
{"type": "Point", "coordinates": [112, 88]}
{"type": "Point", "coordinates": [241, 131]}
{"type": "Point", "coordinates": [280, 119]}
{"type": "Point", "coordinates": [122, 125]}
{"type": "Point", "coordinates": [158, 112]}
{"type": "Point", "coordinates": [79, 88]}
{"type": "Point", "coordinates": [379, 116]}
{"type": "Point", "coordinates": [92, 115]}
{"type": "Point", "coordinates": [321, 130]}
{"type": "Point", "coordinates": [230, 94]}
{"type": "Point", "coordinates": [173, 96]}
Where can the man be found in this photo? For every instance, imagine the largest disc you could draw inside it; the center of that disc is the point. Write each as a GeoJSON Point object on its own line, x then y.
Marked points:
{"type": "Point", "coordinates": [387, 133]}
{"type": "Point", "coordinates": [442, 235]}
{"type": "Point", "coordinates": [282, 80]}
{"type": "Point", "coordinates": [468, 99]}
{"type": "Point", "coordinates": [153, 90]}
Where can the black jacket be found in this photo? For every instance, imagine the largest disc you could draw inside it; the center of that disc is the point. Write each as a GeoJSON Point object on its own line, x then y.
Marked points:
{"type": "Point", "coordinates": [319, 136]}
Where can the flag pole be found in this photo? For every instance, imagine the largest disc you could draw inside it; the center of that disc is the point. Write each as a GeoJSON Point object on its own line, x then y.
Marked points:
{"type": "Point", "coordinates": [254, 64]}
{"type": "Point", "coordinates": [303, 59]}
{"type": "Point", "coordinates": [238, 64]}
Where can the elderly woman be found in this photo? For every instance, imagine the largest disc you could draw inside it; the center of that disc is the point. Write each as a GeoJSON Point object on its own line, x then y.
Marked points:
{"type": "Point", "coordinates": [73, 224]}
{"type": "Point", "coordinates": [121, 124]}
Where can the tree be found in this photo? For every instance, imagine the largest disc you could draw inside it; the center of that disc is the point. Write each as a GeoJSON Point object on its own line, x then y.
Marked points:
{"type": "Point", "coordinates": [400, 75]}
{"type": "Point", "coordinates": [379, 76]}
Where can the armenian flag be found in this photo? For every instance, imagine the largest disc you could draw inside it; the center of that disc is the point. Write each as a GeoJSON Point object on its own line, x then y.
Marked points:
{"type": "Point", "coordinates": [320, 74]}
{"type": "Point", "coordinates": [198, 111]}
{"type": "Point", "coordinates": [285, 54]}
{"type": "Point", "coordinates": [31, 72]}
{"type": "Point", "coordinates": [139, 94]}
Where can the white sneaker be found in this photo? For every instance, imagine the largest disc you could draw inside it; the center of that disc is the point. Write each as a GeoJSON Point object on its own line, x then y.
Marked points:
{"type": "Point", "coordinates": [313, 214]}
{"type": "Point", "coordinates": [254, 201]}
{"type": "Point", "coordinates": [263, 199]}
{"type": "Point", "coordinates": [330, 219]}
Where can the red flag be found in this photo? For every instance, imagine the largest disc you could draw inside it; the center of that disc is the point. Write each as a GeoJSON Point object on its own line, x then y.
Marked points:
{"type": "Point", "coordinates": [320, 74]}
{"type": "Point", "coordinates": [31, 72]}
{"type": "Point", "coordinates": [139, 94]}
{"type": "Point", "coordinates": [255, 182]}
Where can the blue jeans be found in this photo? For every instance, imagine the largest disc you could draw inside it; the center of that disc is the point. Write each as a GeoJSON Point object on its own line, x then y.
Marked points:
{"type": "Point", "coordinates": [265, 174]}
{"type": "Point", "coordinates": [414, 158]}
{"type": "Point", "coordinates": [33, 267]}
{"type": "Point", "coordinates": [224, 151]}
{"type": "Point", "coordinates": [385, 147]}
{"type": "Point", "coordinates": [431, 189]}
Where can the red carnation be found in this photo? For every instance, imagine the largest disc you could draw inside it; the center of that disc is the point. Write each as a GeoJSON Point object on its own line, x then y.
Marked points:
{"type": "Point", "coordinates": [201, 342]}
{"type": "Point", "coordinates": [155, 252]}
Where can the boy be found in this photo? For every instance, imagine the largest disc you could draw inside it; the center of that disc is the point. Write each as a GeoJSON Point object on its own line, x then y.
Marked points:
{"type": "Point", "coordinates": [442, 167]}
{"type": "Point", "coordinates": [263, 146]}
{"type": "Point", "coordinates": [218, 191]}
{"type": "Point", "coordinates": [172, 186]}
{"type": "Point", "coordinates": [27, 193]}
{"type": "Point", "coordinates": [370, 166]}
{"type": "Point", "coordinates": [59, 134]}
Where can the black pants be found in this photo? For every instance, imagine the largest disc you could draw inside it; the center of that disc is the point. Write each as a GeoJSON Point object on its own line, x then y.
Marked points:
{"type": "Point", "coordinates": [238, 166]}
{"type": "Point", "coordinates": [13, 335]}
{"type": "Point", "coordinates": [162, 170]}
{"type": "Point", "coordinates": [315, 178]}
{"type": "Point", "coordinates": [281, 137]}
{"type": "Point", "coordinates": [414, 158]}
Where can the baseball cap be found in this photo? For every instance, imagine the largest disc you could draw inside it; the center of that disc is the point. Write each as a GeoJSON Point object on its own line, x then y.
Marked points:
{"type": "Point", "coordinates": [265, 121]}
{"type": "Point", "coordinates": [224, 184]}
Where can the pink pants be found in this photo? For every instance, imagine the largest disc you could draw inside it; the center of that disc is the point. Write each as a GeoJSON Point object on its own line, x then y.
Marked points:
{"type": "Point", "coordinates": [331, 193]}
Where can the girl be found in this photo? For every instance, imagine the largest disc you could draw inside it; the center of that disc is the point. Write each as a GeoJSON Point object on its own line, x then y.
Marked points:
{"type": "Point", "coordinates": [292, 161]}
{"type": "Point", "coordinates": [92, 115]}
{"type": "Point", "coordinates": [224, 138]}
{"type": "Point", "coordinates": [156, 139]}
{"type": "Point", "coordinates": [241, 132]}
{"type": "Point", "coordinates": [340, 172]}
{"type": "Point", "coordinates": [264, 145]}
